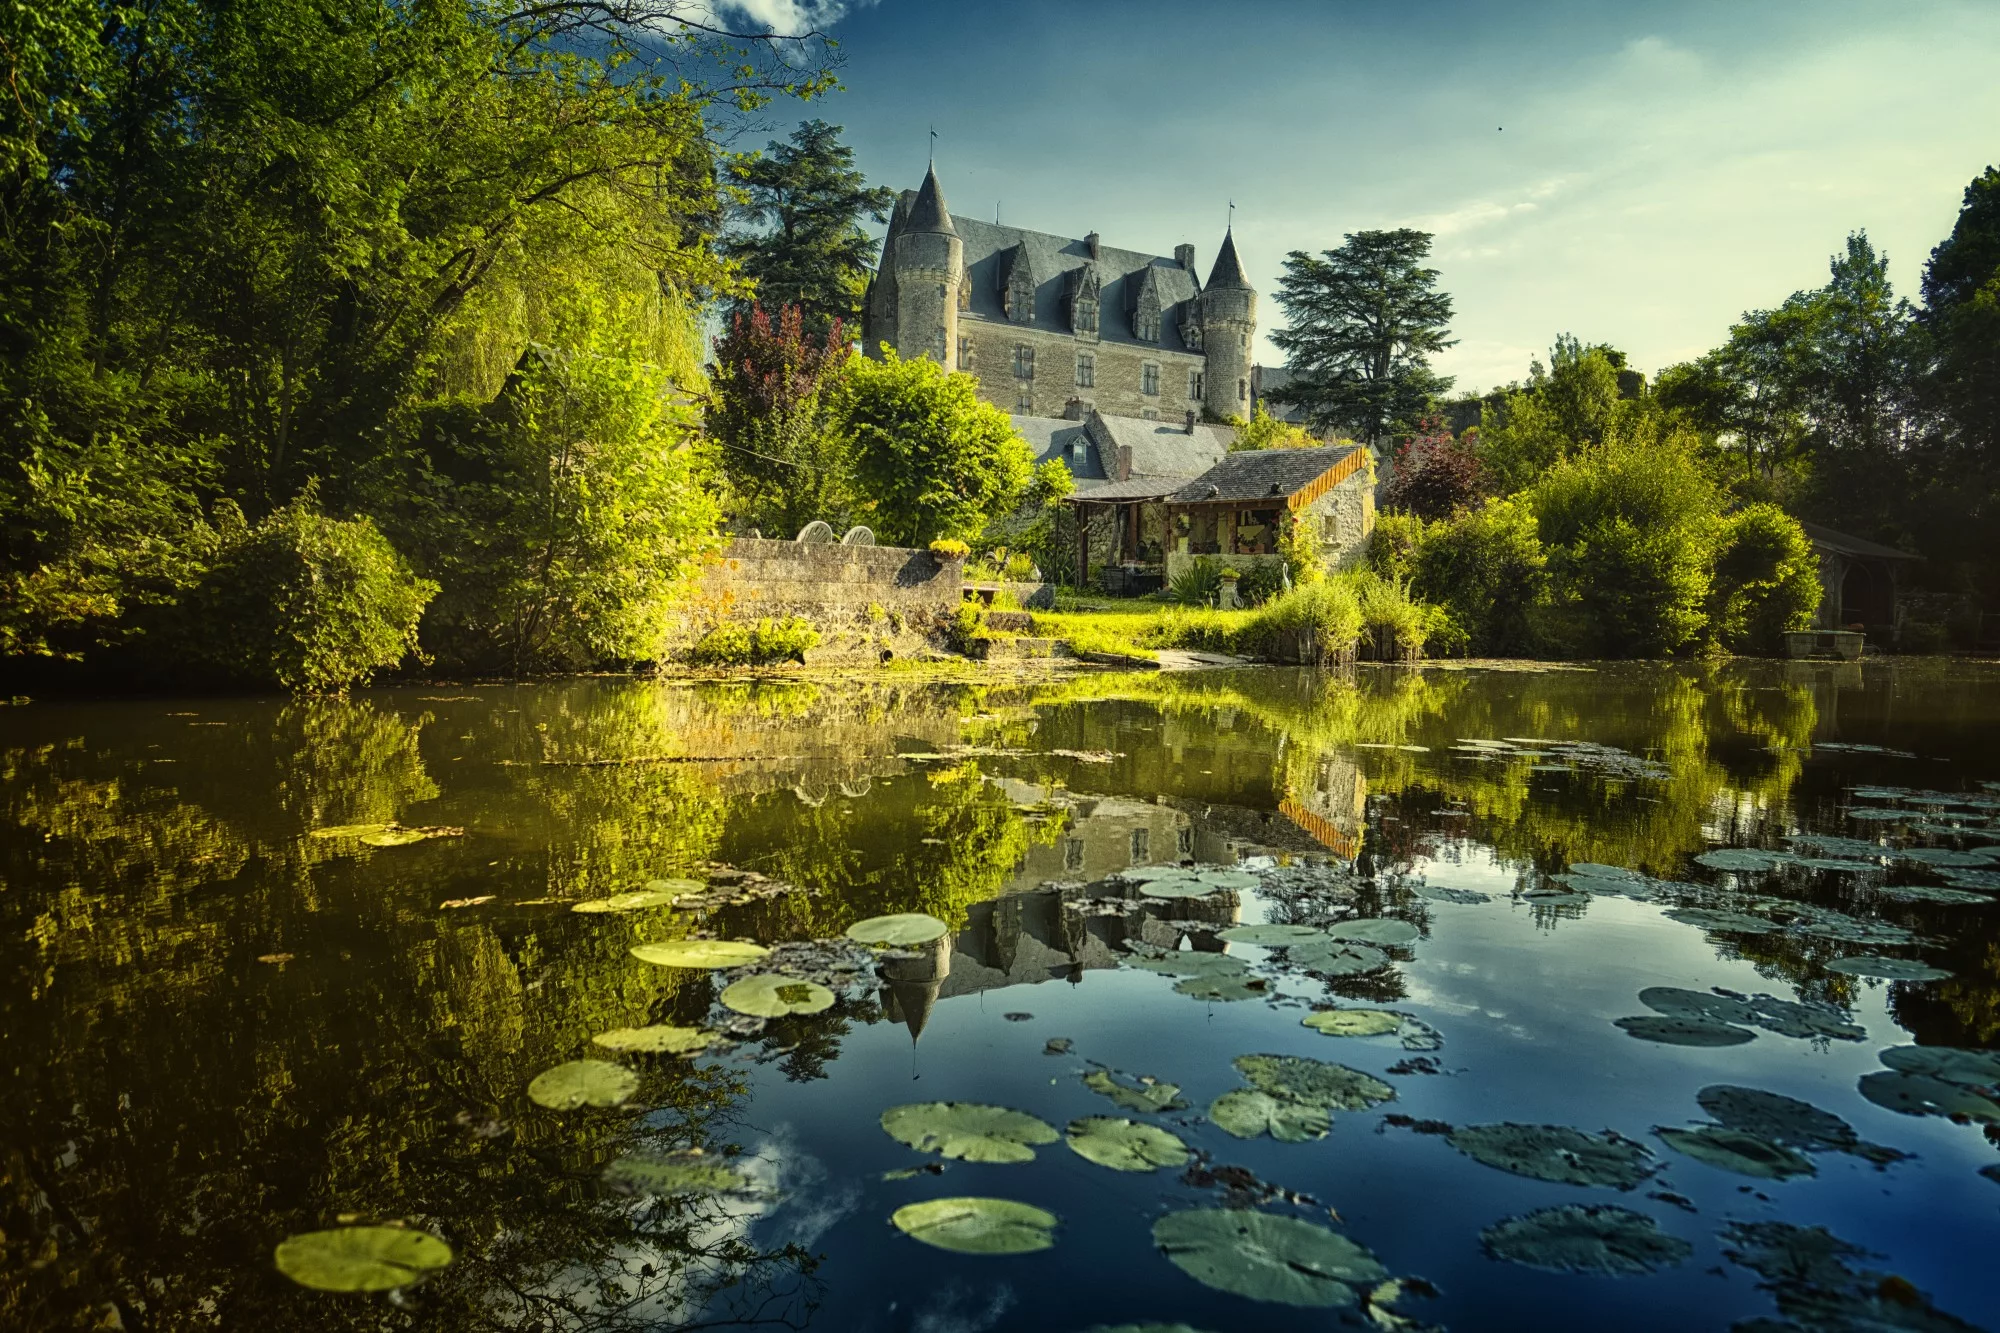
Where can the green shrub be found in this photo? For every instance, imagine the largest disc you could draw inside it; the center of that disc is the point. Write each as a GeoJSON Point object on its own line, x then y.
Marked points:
{"type": "Point", "coordinates": [1392, 547]}
{"type": "Point", "coordinates": [1485, 567]}
{"type": "Point", "coordinates": [967, 627]}
{"type": "Point", "coordinates": [1020, 568]}
{"type": "Point", "coordinates": [1393, 626]}
{"type": "Point", "coordinates": [1260, 583]}
{"type": "Point", "coordinates": [733, 643]}
{"type": "Point", "coordinates": [1100, 642]}
{"type": "Point", "coordinates": [303, 601]}
{"type": "Point", "coordinates": [1198, 584]}
{"type": "Point", "coordinates": [1321, 622]}
{"type": "Point", "coordinates": [949, 548]}
{"type": "Point", "coordinates": [1766, 581]}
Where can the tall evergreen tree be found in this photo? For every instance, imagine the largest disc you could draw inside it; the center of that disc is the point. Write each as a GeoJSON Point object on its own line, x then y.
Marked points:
{"type": "Point", "coordinates": [1365, 321]}
{"type": "Point", "coordinates": [799, 214]}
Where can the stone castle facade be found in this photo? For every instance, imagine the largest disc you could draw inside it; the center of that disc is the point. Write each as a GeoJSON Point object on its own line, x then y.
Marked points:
{"type": "Point", "coordinates": [1053, 325]}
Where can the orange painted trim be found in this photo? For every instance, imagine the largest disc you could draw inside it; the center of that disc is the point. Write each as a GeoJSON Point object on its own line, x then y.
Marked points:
{"type": "Point", "coordinates": [1323, 831]}
{"type": "Point", "coordinates": [1326, 480]}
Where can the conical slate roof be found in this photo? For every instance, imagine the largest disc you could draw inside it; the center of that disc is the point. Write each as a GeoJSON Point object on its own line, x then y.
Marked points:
{"type": "Point", "coordinates": [1228, 270]}
{"type": "Point", "coordinates": [928, 213]}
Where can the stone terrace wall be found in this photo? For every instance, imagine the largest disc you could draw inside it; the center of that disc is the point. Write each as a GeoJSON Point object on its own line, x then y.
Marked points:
{"type": "Point", "coordinates": [861, 598]}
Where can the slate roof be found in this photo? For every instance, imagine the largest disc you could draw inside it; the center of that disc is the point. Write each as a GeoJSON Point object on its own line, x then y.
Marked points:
{"type": "Point", "coordinates": [1840, 543]}
{"type": "Point", "coordinates": [1265, 379]}
{"type": "Point", "coordinates": [1262, 474]}
{"type": "Point", "coordinates": [1228, 270]}
{"type": "Point", "coordinates": [1139, 488]}
{"type": "Point", "coordinates": [927, 211]}
{"type": "Point", "coordinates": [1051, 438]}
{"type": "Point", "coordinates": [1052, 259]}
{"type": "Point", "coordinates": [1164, 448]}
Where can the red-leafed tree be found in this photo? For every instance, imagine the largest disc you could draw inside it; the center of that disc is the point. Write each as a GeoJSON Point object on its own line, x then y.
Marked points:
{"type": "Point", "coordinates": [768, 401]}
{"type": "Point", "coordinates": [1436, 475]}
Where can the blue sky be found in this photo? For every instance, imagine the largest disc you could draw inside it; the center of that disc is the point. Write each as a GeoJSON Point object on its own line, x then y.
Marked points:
{"type": "Point", "coordinates": [1637, 174]}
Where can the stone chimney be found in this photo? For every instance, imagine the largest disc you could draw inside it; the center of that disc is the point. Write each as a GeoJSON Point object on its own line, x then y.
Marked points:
{"type": "Point", "coordinates": [1095, 248]}
{"type": "Point", "coordinates": [1184, 256]}
{"type": "Point", "coordinates": [1190, 421]}
{"type": "Point", "coordinates": [1073, 409]}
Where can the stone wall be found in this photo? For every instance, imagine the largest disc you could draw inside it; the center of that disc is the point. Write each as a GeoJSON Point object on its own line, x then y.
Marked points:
{"type": "Point", "coordinates": [861, 598]}
{"type": "Point", "coordinates": [1344, 519]}
{"type": "Point", "coordinates": [1117, 373]}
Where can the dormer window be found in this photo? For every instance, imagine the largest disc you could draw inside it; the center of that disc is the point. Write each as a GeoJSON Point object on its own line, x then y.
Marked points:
{"type": "Point", "coordinates": [1145, 288]}
{"type": "Point", "coordinates": [1017, 286]}
{"type": "Point", "coordinates": [1082, 293]}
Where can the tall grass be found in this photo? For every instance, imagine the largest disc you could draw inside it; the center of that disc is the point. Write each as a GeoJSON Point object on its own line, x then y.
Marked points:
{"type": "Point", "coordinates": [1316, 623]}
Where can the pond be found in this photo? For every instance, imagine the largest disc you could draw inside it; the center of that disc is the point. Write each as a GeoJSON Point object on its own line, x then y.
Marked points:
{"type": "Point", "coordinates": [1648, 996]}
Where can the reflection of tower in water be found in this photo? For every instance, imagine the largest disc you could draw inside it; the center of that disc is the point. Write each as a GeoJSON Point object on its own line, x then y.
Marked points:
{"type": "Point", "coordinates": [911, 982]}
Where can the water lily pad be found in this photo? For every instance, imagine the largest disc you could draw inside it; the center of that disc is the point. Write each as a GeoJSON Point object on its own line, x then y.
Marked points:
{"type": "Point", "coordinates": [1574, 1238]}
{"type": "Point", "coordinates": [1125, 1145]}
{"type": "Point", "coordinates": [1879, 816]}
{"type": "Point", "coordinates": [768, 995]}
{"type": "Point", "coordinates": [1887, 969]}
{"type": "Point", "coordinates": [1373, 930]}
{"type": "Point", "coordinates": [699, 953]}
{"type": "Point", "coordinates": [1189, 963]}
{"type": "Point", "coordinates": [1234, 880]}
{"type": "Point", "coordinates": [582, 1083]}
{"type": "Point", "coordinates": [968, 1131]}
{"type": "Point", "coordinates": [1247, 1113]}
{"type": "Point", "coordinates": [1828, 844]}
{"type": "Point", "coordinates": [1788, 1018]}
{"type": "Point", "coordinates": [348, 831]}
{"type": "Point", "coordinates": [1313, 1082]}
{"type": "Point", "coordinates": [1335, 959]}
{"type": "Point", "coordinates": [1736, 1150]}
{"type": "Point", "coordinates": [1940, 856]}
{"type": "Point", "coordinates": [1557, 1153]}
{"type": "Point", "coordinates": [1221, 988]}
{"type": "Point", "coordinates": [1710, 918]}
{"type": "Point", "coordinates": [1787, 1121]}
{"type": "Point", "coordinates": [1141, 874]}
{"type": "Point", "coordinates": [660, 1039]}
{"type": "Point", "coordinates": [898, 931]}
{"type": "Point", "coordinates": [1674, 1030]}
{"type": "Point", "coordinates": [361, 1258]}
{"type": "Point", "coordinates": [1979, 1070]}
{"type": "Point", "coordinates": [1353, 1022]}
{"type": "Point", "coordinates": [978, 1226]}
{"type": "Point", "coordinates": [636, 901]}
{"type": "Point", "coordinates": [1972, 879]}
{"type": "Point", "coordinates": [1597, 871]}
{"type": "Point", "coordinates": [1932, 893]}
{"type": "Point", "coordinates": [1266, 1258]}
{"type": "Point", "coordinates": [1920, 1094]}
{"type": "Point", "coordinates": [1549, 897]}
{"type": "Point", "coordinates": [667, 1176]}
{"type": "Point", "coordinates": [1442, 894]}
{"type": "Point", "coordinates": [1271, 934]}
{"type": "Point", "coordinates": [1148, 1096]}
{"type": "Point", "coordinates": [1738, 858]}
{"type": "Point", "coordinates": [397, 836]}
{"type": "Point", "coordinates": [1186, 886]}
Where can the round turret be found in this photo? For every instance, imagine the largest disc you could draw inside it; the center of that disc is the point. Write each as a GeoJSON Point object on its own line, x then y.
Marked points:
{"type": "Point", "coordinates": [928, 259]}
{"type": "Point", "coordinates": [1229, 323]}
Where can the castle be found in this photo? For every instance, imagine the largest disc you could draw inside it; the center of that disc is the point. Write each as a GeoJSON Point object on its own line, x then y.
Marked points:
{"type": "Point", "coordinates": [1053, 326]}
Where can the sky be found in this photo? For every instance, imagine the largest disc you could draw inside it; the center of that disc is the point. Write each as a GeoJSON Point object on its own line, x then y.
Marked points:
{"type": "Point", "coordinates": [1635, 174]}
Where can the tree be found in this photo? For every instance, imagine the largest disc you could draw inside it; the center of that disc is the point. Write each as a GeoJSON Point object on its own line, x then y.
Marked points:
{"type": "Point", "coordinates": [811, 199]}
{"type": "Point", "coordinates": [936, 461]}
{"type": "Point", "coordinates": [1435, 474]}
{"type": "Point", "coordinates": [1961, 325]}
{"type": "Point", "coordinates": [768, 408]}
{"type": "Point", "coordinates": [1365, 320]}
{"type": "Point", "coordinates": [1264, 431]}
{"type": "Point", "coordinates": [1571, 405]}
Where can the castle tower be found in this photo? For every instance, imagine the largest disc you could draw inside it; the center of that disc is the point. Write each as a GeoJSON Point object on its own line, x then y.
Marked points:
{"type": "Point", "coordinates": [1228, 323]}
{"type": "Point", "coordinates": [928, 260]}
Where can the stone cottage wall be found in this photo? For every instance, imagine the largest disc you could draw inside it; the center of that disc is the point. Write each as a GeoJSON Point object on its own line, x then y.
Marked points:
{"type": "Point", "coordinates": [859, 597]}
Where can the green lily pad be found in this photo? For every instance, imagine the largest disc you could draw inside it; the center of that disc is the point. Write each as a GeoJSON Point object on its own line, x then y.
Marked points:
{"type": "Point", "coordinates": [1887, 969]}
{"type": "Point", "coordinates": [1979, 1070]}
{"type": "Point", "coordinates": [1373, 930]}
{"type": "Point", "coordinates": [1932, 893]}
{"type": "Point", "coordinates": [360, 1258]}
{"type": "Point", "coordinates": [699, 953]}
{"type": "Point", "coordinates": [1554, 898]}
{"type": "Point", "coordinates": [1313, 1082]}
{"type": "Point", "coordinates": [664, 1177]}
{"type": "Point", "coordinates": [1353, 1022]}
{"type": "Point", "coordinates": [1972, 879]}
{"type": "Point", "coordinates": [1787, 1121]}
{"type": "Point", "coordinates": [636, 901]}
{"type": "Point", "coordinates": [348, 831]}
{"type": "Point", "coordinates": [1879, 816]}
{"type": "Point", "coordinates": [660, 1039]}
{"type": "Point", "coordinates": [1738, 858]}
{"type": "Point", "coordinates": [1573, 1238]}
{"type": "Point", "coordinates": [1223, 988]}
{"type": "Point", "coordinates": [898, 931]}
{"type": "Point", "coordinates": [768, 995]}
{"type": "Point", "coordinates": [1710, 918]}
{"type": "Point", "coordinates": [1734, 1150]}
{"type": "Point", "coordinates": [1185, 886]}
{"type": "Point", "coordinates": [978, 1226]}
{"type": "Point", "coordinates": [1247, 1113]}
{"type": "Point", "coordinates": [1146, 1095]}
{"type": "Point", "coordinates": [583, 1083]}
{"type": "Point", "coordinates": [968, 1131]}
{"type": "Point", "coordinates": [1557, 1153]}
{"type": "Point", "coordinates": [1445, 894]}
{"type": "Point", "coordinates": [1787, 1018]}
{"type": "Point", "coordinates": [1940, 856]}
{"type": "Point", "coordinates": [1673, 1030]}
{"type": "Point", "coordinates": [397, 836]}
{"type": "Point", "coordinates": [1236, 881]}
{"type": "Point", "coordinates": [1188, 963]}
{"type": "Point", "coordinates": [1597, 871]}
{"type": "Point", "coordinates": [1271, 934]}
{"type": "Point", "coordinates": [1335, 959]}
{"type": "Point", "coordinates": [1125, 1145]}
{"type": "Point", "coordinates": [1920, 1094]}
{"type": "Point", "coordinates": [1141, 874]}
{"type": "Point", "coordinates": [1265, 1258]}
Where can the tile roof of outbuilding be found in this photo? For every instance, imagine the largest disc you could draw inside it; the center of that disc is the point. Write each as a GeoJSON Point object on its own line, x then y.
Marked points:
{"type": "Point", "coordinates": [1262, 474]}
{"type": "Point", "coordinates": [1166, 449]}
{"type": "Point", "coordinates": [1842, 543]}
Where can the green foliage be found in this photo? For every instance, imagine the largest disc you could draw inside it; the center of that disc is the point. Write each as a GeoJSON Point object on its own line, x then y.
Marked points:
{"type": "Point", "coordinates": [1320, 622]}
{"type": "Point", "coordinates": [803, 203]}
{"type": "Point", "coordinates": [949, 548]}
{"type": "Point", "coordinates": [1392, 546]}
{"type": "Point", "coordinates": [1394, 626]}
{"type": "Point", "coordinates": [936, 461]}
{"type": "Point", "coordinates": [1485, 569]}
{"type": "Point", "coordinates": [1571, 406]}
{"type": "Point", "coordinates": [1033, 533]}
{"type": "Point", "coordinates": [1260, 583]}
{"type": "Point", "coordinates": [733, 643]}
{"type": "Point", "coordinates": [1199, 583]}
{"type": "Point", "coordinates": [303, 602]}
{"type": "Point", "coordinates": [562, 518]}
{"type": "Point", "coordinates": [1299, 547]}
{"type": "Point", "coordinates": [1264, 431]}
{"type": "Point", "coordinates": [1630, 528]}
{"type": "Point", "coordinates": [1365, 320]}
{"type": "Point", "coordinates": [1961, 324]}
{"type": "Point", "coordinates": [967, 628]}
{"type": "Point", "coordinates": [768, 410]}
{"type": "Point", "coordinates": [1766, 580]}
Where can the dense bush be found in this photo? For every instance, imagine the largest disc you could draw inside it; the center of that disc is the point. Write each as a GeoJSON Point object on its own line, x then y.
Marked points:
{"type": "Point", "coordinates": [1260, 583]}
{"type": "Point", "coordinates": [733, 643]}
{"type": "Point", "coordinates": [1766, 580]}
{"type": "Point", "coordinates": [1320, 621]}
{"type": "Point", "coordinates": [1198, 584]}
{"type": "Point", "coordinates": [1435, 475]}
{"type": "Point", "coordinates": [1394, 626]}
{"type": "Point", "coordinates": [303, 601]}
{"type": "Point", "coordinates": [1486, 569]}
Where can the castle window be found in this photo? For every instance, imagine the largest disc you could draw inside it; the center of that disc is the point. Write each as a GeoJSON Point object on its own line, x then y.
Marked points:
{"type": "Point", "coordinates": [1086, 371]}
{"type": "Point", "coordinates": [1149, 379]}
{"type": "Point", "coordinates": [964, 352]}
{"type": "Point", "coordinates": [1194, 386]}
{"type": "Point", "coordinates": [937, 347]}
{"type": "Point", "coordinates": [1024, 398]}
{"type": "Point", "coordinates": [1243, 391]}
{"type": "Point", "coordinates": [1024, 361]}
{"type": "Point", "coordinates": [1086, 316]}
{"type": "Point", "coordinates": [1142, 848]}
{"type": "Point", "coordinates": [965, 291]}
{"type": "Point", "coordinates": [1146, 327]}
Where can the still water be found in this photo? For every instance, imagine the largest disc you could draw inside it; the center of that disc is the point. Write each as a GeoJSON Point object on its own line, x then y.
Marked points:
{"type": "Point", "coordinates": [220, 1030]}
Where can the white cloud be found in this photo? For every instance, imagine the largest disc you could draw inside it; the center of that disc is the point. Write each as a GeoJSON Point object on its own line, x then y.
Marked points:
{"type": "Point", "coordinates": [790, 18]}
